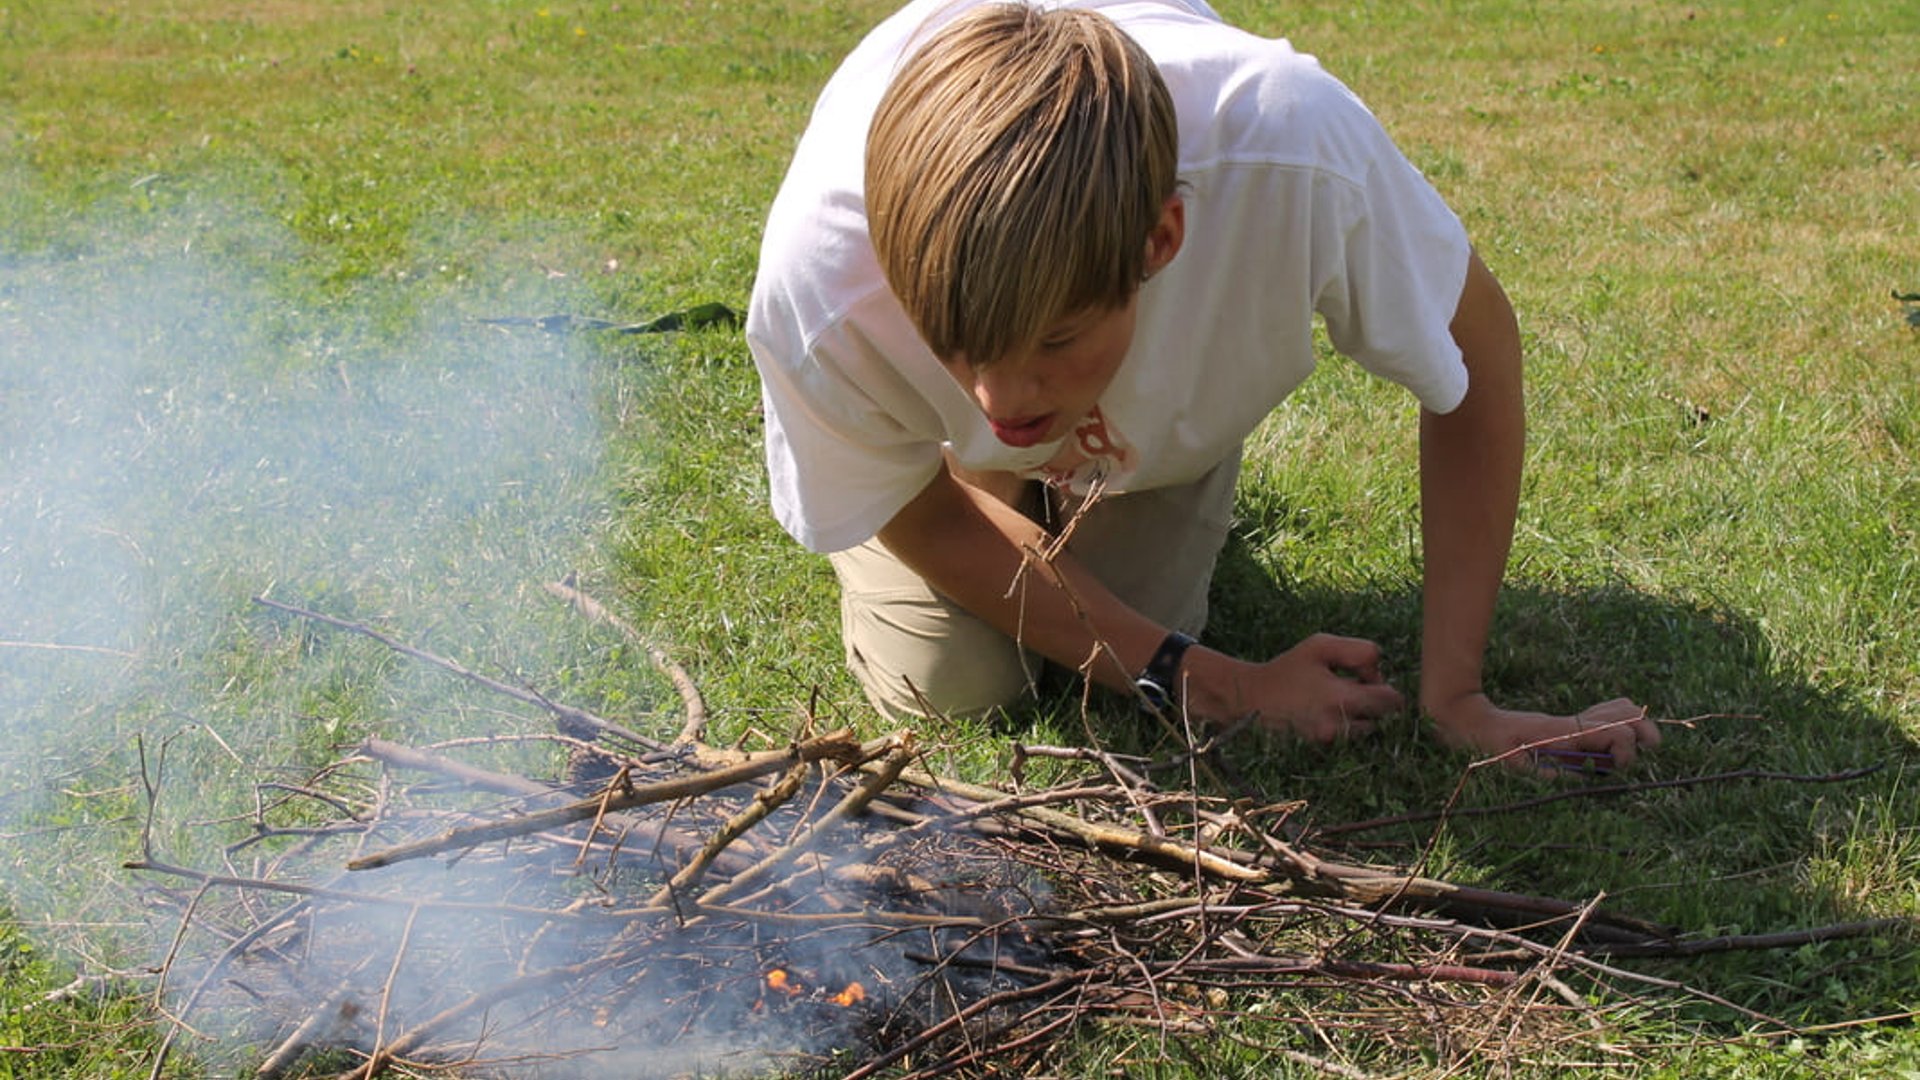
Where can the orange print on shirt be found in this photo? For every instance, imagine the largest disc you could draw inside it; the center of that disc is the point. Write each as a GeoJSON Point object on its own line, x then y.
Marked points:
{"type": "Point", "coordinates": [1097, 449]}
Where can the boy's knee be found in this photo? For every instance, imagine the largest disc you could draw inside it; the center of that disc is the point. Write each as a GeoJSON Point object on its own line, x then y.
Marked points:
{"type": "Point", "coordinates": [915, 652]}
{"type": "Point", "coordinates": [1157, 549]}
{"type": "Point", "coordinates": [916, 659]}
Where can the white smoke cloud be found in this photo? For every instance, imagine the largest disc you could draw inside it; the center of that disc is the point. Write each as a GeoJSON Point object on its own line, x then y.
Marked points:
{"type": "Point", "coordinates": [189, 418]}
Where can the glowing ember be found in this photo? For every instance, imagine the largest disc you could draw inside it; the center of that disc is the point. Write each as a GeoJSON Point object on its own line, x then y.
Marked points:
{"type": "Point", "coordinates": [854, 992]}
{"type": "Point", "coordinates": [779, 980]}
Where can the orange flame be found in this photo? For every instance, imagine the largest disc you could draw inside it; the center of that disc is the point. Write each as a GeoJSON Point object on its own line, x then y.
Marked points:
{"type": "Point", "coordinates": [778, 980]}
{"type": "Point", "coordinates": [854, 992]}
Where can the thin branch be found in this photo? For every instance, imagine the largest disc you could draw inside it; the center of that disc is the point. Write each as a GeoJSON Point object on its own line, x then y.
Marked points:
{"type": "Point", "coordinates": [393, 975]}
{"type": "Point", "coordinates": [405, 1043]}
{"type": "Point", "coordinates": [407, 757]}
{"type": "Point", "coordinates": [47, 646]}
{"type": "Point", "coordinates": [317, 892]}
{"type": "Point", "coordinates": [565, 713]}
{"type": "Point", "coordinates": [284, 1055]}
{"type": "Point", "coordinates": [1787, 939]}
{"type": "Point", "coordinates": [1594, 792]}
{"type": "Point", "coordinates": [933, 1033]}
{"type": "Point", "coordinates": [177, 1021]}
{"type": "Point", "coordinates": [695, 727]}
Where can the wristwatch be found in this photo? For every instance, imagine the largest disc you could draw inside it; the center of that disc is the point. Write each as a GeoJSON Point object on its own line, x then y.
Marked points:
{"type": "Point", "coordinates": [1159, 681]}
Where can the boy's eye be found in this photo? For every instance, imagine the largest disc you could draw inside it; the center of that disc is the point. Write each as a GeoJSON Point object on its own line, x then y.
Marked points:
{"type": "Point", "coordinates": [1058, 341]}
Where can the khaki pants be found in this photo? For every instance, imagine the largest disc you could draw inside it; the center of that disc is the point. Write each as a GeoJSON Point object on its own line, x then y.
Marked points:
{"type": "Point", "coordinates": [1155, 550]}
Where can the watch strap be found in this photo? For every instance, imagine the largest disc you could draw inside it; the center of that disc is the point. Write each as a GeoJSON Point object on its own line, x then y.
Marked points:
{"type": "Point", "coordinates": [1160, 679]}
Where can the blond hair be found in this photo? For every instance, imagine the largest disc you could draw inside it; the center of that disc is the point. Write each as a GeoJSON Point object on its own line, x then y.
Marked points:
{"type": "Point", "coordinates": [1014, 169]}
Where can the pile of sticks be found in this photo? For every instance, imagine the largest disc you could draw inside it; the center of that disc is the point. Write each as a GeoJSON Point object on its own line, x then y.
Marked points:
{"type": "Point", "coordinates": [672, 908]}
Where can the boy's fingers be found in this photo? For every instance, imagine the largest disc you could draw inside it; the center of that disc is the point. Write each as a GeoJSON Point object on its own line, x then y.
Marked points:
{"type": "Point", "coordinates": [1357, 655]}
{"type": "Point", "coordinates": [1627, 723]}
{"type": "Point", "coordinates": [1605, 737]}
{"type": "Point", "coordinates": [1623, 748]}
{"type": "Point", "coordinates": [1377, 699]}
{"type": "Point", "coordinates": [1352, 713]}
{"type": "Point", "coordinates": [1615, 711]}
{"type": "Point", "coordinates": [1645, 731]}
{"type": "Point", "coordinates": [1345, 725]}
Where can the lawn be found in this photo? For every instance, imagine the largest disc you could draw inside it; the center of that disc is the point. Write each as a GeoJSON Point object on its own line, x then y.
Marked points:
{"type": "Point", "coordinates": [246, 252]}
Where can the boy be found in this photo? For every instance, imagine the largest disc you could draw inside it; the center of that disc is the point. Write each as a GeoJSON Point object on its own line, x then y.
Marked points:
{"type": "Point", "coordinates": [1026, 254]}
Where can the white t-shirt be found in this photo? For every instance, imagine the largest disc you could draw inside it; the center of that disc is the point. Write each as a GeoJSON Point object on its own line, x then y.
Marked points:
{"type": "Point", "coordinates": [1296, 202]}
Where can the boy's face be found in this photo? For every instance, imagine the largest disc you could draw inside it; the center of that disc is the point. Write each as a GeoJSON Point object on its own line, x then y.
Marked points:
{"type": "Point", "coordinates": [1041, 393]}
{"type": "Point", "coordinates": [1037, 395]}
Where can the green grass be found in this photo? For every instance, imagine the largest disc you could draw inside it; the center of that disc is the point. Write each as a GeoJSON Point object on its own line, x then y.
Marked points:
{"type": "Point", "coordinates": [242, 246]}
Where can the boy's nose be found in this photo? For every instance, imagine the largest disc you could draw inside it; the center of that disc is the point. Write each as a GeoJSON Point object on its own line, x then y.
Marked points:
{"type": "Point", "coordinates": [1005, 391]}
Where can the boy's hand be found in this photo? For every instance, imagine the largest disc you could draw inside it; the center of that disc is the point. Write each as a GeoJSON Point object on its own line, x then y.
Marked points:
{"type": "Point", "coordinates": [1606, 736]}
{"type": "Point", "coordinates": [1323, 689]}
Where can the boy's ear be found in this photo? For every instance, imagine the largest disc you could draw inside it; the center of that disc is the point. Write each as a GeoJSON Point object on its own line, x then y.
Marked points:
{"type": "Point", "coordinates": [1164, 239]}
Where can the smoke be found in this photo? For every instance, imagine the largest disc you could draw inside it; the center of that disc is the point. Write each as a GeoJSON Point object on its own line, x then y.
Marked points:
{"type": "Point", "coordinates": [190, 416]}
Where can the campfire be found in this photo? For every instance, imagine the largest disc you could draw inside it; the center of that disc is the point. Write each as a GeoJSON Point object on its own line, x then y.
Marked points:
{"type": "Point", "coordinates": [671, 908]}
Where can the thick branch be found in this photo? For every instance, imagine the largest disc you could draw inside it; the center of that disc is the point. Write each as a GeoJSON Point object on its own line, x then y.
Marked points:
{"type": "Point", "coordinates": [837, 746]}
{"type": "Point", "coordinates": [899, 751]}
{"type": "Point", "coordinates": [764, 803]}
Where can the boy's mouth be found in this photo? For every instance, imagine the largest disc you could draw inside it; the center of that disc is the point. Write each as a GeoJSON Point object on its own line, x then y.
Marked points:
{"type": "Point", "coordinates": [1027, 431]}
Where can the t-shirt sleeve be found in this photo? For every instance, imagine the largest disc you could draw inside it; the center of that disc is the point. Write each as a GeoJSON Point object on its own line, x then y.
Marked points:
{"type": "Point", "coordinates": [1390, 275]}
{"type": "Point", "coordinates": [848, 440]}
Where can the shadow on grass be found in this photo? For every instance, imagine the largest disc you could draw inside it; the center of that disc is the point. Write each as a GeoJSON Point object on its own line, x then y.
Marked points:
{"type": "Point", "coordinates": [1719, 857]}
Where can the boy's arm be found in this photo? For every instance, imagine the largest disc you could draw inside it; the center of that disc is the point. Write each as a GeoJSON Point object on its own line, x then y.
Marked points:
{"type": "Point", "coordinates": [969, 545]}
{"type": "Point", "coordinates": [1470, 462]}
